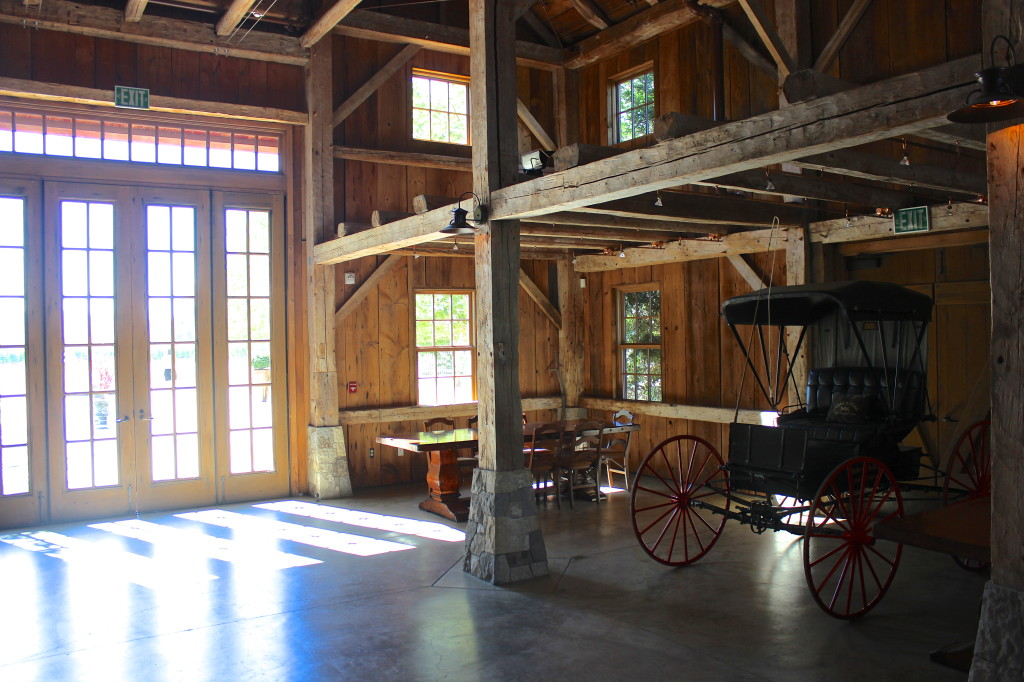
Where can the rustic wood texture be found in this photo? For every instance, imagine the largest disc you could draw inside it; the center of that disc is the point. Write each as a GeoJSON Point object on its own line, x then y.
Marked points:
{"type": "Point", "coordinates": [1006, 156]}
{"type": "Point", "coordinates": [77, 66]}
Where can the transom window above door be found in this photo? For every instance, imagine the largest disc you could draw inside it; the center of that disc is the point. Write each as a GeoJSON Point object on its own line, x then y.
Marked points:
{"type": "Point", "coordinates": [125, 138]}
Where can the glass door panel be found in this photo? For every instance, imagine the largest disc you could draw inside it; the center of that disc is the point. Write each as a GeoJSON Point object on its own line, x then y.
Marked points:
{"type": "Point", "coordinates": [175, 388]}
{"type": "Point", "coordinates": [22, 465]}
{"type": "Point", "coordinates": [247, 323]}
{"type": "Point", "coordinates": [89, 472]}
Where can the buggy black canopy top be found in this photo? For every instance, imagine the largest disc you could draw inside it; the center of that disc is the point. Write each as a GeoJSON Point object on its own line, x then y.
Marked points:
{"type": "Point", "coordinates": [805, 304]}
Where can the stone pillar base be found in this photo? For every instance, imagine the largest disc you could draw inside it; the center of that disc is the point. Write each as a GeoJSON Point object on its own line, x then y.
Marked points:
{"type": "Point", "coordinates": [328, 462]}
{"type": "Point", "coordinates": [999, 647]}
{"type": "Point", "coordinates": [503, 539]}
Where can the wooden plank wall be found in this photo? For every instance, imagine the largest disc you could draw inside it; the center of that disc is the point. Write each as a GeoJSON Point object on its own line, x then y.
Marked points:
{"type": "Point", "coordinates": [701, 358]}
{"type": "Point", "coordinates": [84, 61]}
{"type": "Point", "coordinates": [374, 341]}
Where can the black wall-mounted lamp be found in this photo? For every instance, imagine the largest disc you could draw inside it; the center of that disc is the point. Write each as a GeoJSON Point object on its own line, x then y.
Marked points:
{"type": "Point", "coordinates": [1001, 95]}
{"type": "Point", "coordinates": [461, 218]}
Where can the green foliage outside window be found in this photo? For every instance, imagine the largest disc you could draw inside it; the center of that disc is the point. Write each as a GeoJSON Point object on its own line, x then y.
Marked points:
{"type": "Point", "coordinates": [440, 109]}
{"type": "Point", "coordinates": [444, 359]}
{"type": "Point", "coordinates": [640, 345]}
{"type": "Point", "coordinates": [634, 100]}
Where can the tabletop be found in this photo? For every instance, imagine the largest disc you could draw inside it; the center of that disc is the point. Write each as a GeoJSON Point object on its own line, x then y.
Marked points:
{"type": "Point", "coordinates": [426, 441]}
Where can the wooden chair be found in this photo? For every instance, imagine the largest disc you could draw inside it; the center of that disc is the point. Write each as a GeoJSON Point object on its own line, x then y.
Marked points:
{"type": "Point", "coordinates": [580, 456]}
{"type": "Point", "coordinates": [541, 458]}
{"type": "Point", "coordinates": [615, 449]}
{"type": "Point", "coordinates": [446, 424]}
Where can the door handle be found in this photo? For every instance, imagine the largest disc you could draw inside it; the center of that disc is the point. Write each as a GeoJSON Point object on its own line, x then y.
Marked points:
{"type": "Point", "coordinates": [123, 419]}
{"type": "Point", "coordinates": [143, 417]}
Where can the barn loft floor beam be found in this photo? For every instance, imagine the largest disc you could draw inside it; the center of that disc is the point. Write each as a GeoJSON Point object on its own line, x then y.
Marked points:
{"type": "Point", "coordinates": [386, 28]}
{"type": "Point", "coordinates": [103, 22]}
{"type": "Point", "coordinates": [707, 209]}
{"type": "Point", "coordinates": [327, 21]}
{"type": "Point", "coordinates": [903, 104]}
{"type": "Point", "coordinates": [898, 106]}
{"type": "Point", "coordinates": [880, 169]}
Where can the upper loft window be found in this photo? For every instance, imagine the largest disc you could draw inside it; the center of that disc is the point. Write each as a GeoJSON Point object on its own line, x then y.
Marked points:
{"type": "Point", "coordinates": [634, 106]}
{"type": "Point", "coordinates": [115, 138]}
{"type": "Point", "coordinates": [440, 107]}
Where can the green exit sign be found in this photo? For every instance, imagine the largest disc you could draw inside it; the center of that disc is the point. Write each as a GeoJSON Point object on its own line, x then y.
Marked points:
{"type": "Point", "coordinates": [131, 98]}
{"type": "Point", "coordinates": [914, 219]}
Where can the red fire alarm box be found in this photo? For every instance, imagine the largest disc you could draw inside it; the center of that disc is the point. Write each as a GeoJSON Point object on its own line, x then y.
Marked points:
{"type": "Point", "coordinates": [352, 387]}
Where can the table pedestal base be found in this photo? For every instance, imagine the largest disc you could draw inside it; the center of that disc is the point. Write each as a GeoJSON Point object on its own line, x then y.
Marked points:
{"type": "Point", "coordinates": [454, 509]}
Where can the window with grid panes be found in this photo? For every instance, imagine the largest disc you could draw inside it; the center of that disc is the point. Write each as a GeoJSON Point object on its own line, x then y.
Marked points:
{"type": "Point", "coordinates": [440, 107]}
{"type": "Point", "coordinates": [640, 343]}
{"type": "Point", "coordinates": [444, 347]}
{"type": "Point", "coordinates": [634, 106]}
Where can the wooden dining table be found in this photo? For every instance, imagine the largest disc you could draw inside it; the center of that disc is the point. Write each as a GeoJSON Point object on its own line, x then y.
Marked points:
{"type": "Point", "coordinates": [441, 449]}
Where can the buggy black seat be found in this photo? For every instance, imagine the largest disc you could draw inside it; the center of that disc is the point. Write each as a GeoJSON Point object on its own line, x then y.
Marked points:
{"type": "Point", "coordinates": [859, 405]}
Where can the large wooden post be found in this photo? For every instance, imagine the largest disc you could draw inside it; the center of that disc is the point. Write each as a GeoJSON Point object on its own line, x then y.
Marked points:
{"type": "Point", "coordinates": [327, 463]}
{"type": "Point", "coordinates": [998, 654]}
{"type": "Point", "coordinates": [570, 339]}
{"type": "Point", "coordinates": [503, 538]}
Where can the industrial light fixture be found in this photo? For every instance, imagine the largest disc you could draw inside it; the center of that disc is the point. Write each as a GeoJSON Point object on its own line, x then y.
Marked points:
{"type": "Point", "coordinates": [771, 185]}
{"type": "Point", "coordinates": [905, 161]}
{"type": "Point", "coordinates": [1001, 95]}
{"type": "Point", "coordinates": [657, 201]}
{"type": "Point", "coordinates": [461, 217]}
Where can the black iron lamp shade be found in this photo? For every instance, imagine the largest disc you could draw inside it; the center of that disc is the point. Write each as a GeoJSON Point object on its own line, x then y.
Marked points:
{"type": "Point", "coordinates": [459, 224]}
{"type": "Point", "coordinates": [1000, 96]}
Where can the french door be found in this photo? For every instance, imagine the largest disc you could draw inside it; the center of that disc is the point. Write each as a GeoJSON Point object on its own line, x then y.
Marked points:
{"type": "Point", "coordinates": [162, 322]}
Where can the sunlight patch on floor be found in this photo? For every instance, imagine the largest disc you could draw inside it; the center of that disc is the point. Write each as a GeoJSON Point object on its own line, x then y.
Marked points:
{"type": "Point", "coordinates": [397, 524]}
{"type": "Point", "coordinates": [269, 530]}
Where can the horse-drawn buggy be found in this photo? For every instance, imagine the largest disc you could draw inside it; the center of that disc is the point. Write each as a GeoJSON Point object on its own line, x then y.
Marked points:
{"type": "Point", "coordinates": [829, 468]}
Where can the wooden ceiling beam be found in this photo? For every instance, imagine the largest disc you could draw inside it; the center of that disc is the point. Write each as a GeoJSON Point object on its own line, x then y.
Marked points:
{"type": "Point", "coordinates": [961, 216]}
{"type": "Point", "coordinates": [133, 10]}
{"type": "Point", "coordinates": [769, 36]}
{"type": "Point", "coordinates": [880, 169]}
{"type": "Point", "coordinates": [591, 13]}
{"type": "Point", "coordinates": [810, 187]}
{"type": "Point", "coordinates": [842, 34]}
{"type": "Point", "coordinates": [708, 209]}
{"type": "Point", "coordinates": [327, 21]}
{"type": "Point", "coordinates": [686, 250]}
{"type": "Point", "coordinates": [387, 28]}
{"type": "Point", "coordinates": [542, 30]}
{"type": "Point", "coordinates": [372, 84]}
{"type": "Point", "coordinates": [639, 28]}
{"type": "Point", "coordinates": [898, 106]}
{"type": "Point", "coordinates": [533, 125]}
{"type": "Point", "coordinates": [440, 161]}
{"type": "Point", "coordinates": [237, 11]}
{"type": "Point", "coordinates": [808, 84]}
{"type": "Point", "coordinates": [103, 22]}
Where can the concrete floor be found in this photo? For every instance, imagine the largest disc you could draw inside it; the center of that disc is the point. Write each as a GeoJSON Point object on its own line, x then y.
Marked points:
{"type": "Point", "coordinates": [250, 592]}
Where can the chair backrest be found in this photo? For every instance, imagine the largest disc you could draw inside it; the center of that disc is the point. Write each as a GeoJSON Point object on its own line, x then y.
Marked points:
{"type": "Point", "coordinates": [439, 424]}
{"type": "Point", "coordinates": [550, 437]}
{"type": "Point", "coordinates": [622, 417]}
{"type": "Point", "coordinates": [619, 441]}
{"type": "Point", "coordinates": [588, 436]}
{"type": "Point", "coordinates": [472, 421]}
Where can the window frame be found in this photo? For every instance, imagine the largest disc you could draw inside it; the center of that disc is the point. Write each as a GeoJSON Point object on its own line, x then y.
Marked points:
{"type": "Point", "coordinates": [622, 346]}
{"type": "Point", "coordinates": [614, 136]}
{"type": "Point", "coordinates": [417, 349]}
{"type": "Point", "coordinates": [451, 78]}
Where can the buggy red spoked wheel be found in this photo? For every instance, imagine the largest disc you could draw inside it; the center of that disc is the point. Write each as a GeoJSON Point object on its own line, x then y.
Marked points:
{"type": "Point", "coordinates": [677, 474]}
{"type": "Point", "coordinates": [847, 571]}
{"type": "Point", "coordinates": [969, 472]}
